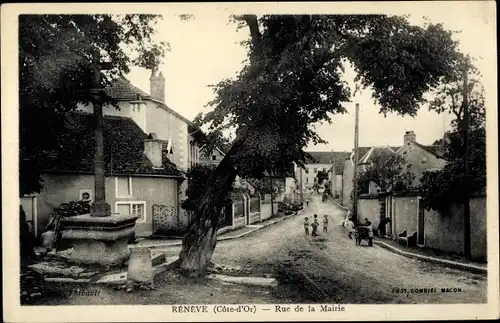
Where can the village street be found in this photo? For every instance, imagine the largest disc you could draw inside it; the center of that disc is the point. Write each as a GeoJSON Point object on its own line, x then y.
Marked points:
{"type": "Point", "coordinates": [341, 271]}
{"type": "Point", "coordinates": [325, 269]}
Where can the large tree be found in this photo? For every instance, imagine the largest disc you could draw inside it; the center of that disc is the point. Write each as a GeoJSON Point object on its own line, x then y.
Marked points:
{"type": "Point", "coordinates": [56, 54]}
{"type": "Point", "coordinates": [442, 188]}
{"type": "Point", "coordinates": [293, 79]}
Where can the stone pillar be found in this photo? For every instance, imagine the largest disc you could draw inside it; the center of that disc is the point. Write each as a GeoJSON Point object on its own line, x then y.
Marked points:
{"type": "Point", "coordinates": [140, 266]}
{"type": "Point", "coordinates": [98, 240]}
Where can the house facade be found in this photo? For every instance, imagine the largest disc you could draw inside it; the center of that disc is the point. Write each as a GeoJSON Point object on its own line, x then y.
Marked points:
{"type": "Point", "coordinates": [214, 158]}
{"type": "Point", "coordinates": [152, 115]}
{"type": "Point", "coordinates": [140, 178]}
{"type": "Point", "coordinates": [420, 158]}
{"type": "Point", "coordinates": [329, 162]}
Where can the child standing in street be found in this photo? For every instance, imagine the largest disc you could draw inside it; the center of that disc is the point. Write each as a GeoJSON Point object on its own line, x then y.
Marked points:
{"type": "Point", "coordinates": [315, 225]}
{"type": "Point", "coordinates": [350, 227]}
{"type": "Point", "coordinates": [306, 225]}
{"type": "Point", "coordinates": [325, 224]}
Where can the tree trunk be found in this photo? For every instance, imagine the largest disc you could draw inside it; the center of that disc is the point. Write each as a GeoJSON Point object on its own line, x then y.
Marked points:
{"type": "Point", "coordinates": [199, 243]}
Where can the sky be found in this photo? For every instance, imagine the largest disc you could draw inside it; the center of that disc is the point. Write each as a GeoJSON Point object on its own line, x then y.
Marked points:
{"type": "Point", "coordinates": [206, 50]}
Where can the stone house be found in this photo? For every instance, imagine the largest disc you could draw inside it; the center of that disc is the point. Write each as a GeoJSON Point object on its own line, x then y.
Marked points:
{"type": "Point", "coordinates": [420, 157]}
{"type": "Point", "coordinates": [140, 177]}
{"type": "Point", "coordinates": [348, 175]}
{"type": "Point", "coordinates": [330, 162]}
{"type": "Point", "coordinates": [152, 115]}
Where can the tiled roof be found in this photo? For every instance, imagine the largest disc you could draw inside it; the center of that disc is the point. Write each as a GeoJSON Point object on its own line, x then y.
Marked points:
{"type": "Point", "coordinates": [377, 151]}
{"type": "Point", "coordinates": [123, 148]}
{"type": "Point", "coordinates": [122, 89]}
{"type": "Point", "coordinates": [362, 151]}
{"type": "Point", "coordinates": [395, 148]}
{"type": "Point", "coordinates": [326, 157]}
{"type": "Point", "coordinates": [435, 150]}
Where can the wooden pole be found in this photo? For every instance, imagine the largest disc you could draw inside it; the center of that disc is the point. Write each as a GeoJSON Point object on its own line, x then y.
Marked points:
{"type": "Point", "coordinates": [356, 157]}
{"type": "Point", "coordinates": [301, 188]}
{"type": "Point", "coordinates": [467, 239]}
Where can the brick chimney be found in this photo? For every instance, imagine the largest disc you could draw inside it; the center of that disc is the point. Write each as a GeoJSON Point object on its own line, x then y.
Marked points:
{"type": "Point", "coordinates": [410, 136]}
{"type": "Point", "coordinates": [153, 148]}
{"type": "Point", "coordinates": [157, 86]}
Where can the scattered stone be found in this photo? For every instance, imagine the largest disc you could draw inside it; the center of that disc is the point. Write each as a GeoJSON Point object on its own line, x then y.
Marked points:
{"type": "Point", "coordinates": [66, 280]}
{"type": "Point", "coordinates": [225, 268]}
{"type": "Point", "coordinates": [252, 281]}
{"type": "Point", "coordinates": [114, 279]}
{"type": "Point", "coordinates": [59, 269]}
{"type": "Point", "coordinates": [35, 294]}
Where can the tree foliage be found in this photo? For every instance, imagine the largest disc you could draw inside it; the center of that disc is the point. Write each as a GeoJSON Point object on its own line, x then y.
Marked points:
{"type": "Point", "coordinates": [442, 188]}
{"type": "Point", "coordinates": [268, 186]}
{"type": "Point", "coordinates": [56, 55]}
{"type": "Point", "coordinates": [198, 179]}
{"type": "Point", "coordinates": [448, 97]}
{"type": "Point", "coordinates": [389, 171]}
{"type": "Point", "coordinates": [292, 79]}
{"type": "Point", "coordinates": [212, 140]}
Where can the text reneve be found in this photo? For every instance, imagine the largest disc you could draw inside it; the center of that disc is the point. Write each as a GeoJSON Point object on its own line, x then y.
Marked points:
{"type": "Point", "coordinates": [190, 309]}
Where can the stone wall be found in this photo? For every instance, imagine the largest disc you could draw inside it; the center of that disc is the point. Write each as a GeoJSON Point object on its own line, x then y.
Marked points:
{"type": "Point", "coordinates": [265, 210]}
{"type": "Point", "coordinates": [63, 188]}
{"type": "Point", "coordinates": [444, 231]}
{"type": "Point", "coordinates": [404, 214]}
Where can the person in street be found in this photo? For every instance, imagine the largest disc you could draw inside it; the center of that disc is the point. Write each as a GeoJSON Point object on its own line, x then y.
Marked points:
{"type": "Point", "coordinates": [306, 225]}
{"type": "Point", "coordinates": [27, 240]}
{"type": "Point", "coordinates": [350, 228]}
{"type": "Point", "coordinates": [315, 225]}
{"type": "Point", "coordinates": [368, 224]}
{"type": "Point", "coordinates": [325, 224]}
{"type": "Point", "coordinates": [48, 239]}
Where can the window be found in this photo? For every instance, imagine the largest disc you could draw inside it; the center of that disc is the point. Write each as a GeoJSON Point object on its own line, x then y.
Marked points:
{"type": "Point", "coordinates": [214, 157]}
{"type": "Point", "coordinates": [135, 208]}
{"type": "Point", "coordinates": [123, 186]}
{"type": "Point", "coordinates": [307, 180]}
{"type": "Point", "coordinates": [315, 170]}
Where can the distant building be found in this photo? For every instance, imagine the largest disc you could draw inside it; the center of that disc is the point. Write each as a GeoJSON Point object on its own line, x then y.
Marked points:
{"type": "Point", "coordinates": [330, 162]}
{"type": "Point", "coordinates": [420, 158]}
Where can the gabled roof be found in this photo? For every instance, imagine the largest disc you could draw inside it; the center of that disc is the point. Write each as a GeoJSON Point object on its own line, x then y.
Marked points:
{"type": "Point", "coordinates": [431, 149]}
{"type": "Point", "coordinates": [374, 152]}
{"type": "Point", "coordinates": [123, 148]}
{"type": "Point", "coordinates": [122, 90]}
{"type": "Point", "coordinates": [326, 157]}
{"type": "Point", "coordinates": [362, 151]}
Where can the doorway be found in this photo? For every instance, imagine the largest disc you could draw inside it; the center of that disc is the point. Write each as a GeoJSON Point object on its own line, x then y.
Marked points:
{"type": "Point", "coordinates": [421, 224]}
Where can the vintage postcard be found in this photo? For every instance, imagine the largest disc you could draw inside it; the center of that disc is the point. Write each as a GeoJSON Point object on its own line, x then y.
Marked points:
{"type": "Point", "coordinates": [249, 161]}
